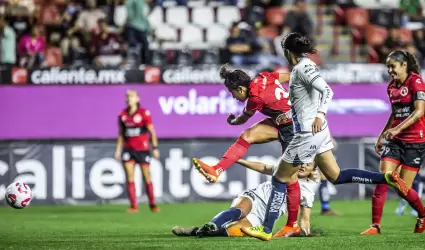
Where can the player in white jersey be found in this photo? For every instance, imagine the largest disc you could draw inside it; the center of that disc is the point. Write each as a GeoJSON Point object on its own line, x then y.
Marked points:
{"type": "Point", "coordinates": [310, 96]}
{"type": "Point", "coordinates": [250, 206]}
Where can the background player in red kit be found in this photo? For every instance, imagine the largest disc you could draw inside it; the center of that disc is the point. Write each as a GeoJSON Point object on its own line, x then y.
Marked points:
{"type": "Point", "coordinates": [404, 132]}
{"type": "Point", "coordinates": [265, 94]}
{"type": "Point", "coordinates": [135, 126]}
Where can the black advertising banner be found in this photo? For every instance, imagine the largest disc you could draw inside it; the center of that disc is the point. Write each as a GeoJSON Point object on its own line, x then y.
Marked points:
{"type": "Point", "coordinates": [73, 76]}
{"type": "Point", "coordinates": [86, 172]}
{"type": "Point", "coordinates": [174, 74]}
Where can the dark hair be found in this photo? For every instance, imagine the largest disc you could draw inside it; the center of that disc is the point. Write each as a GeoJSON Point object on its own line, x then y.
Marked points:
{"type": "Point", "coordinates": [404, 56]}
{"type": "Point", "coordinates": [234, 78]}
{"type": "Point", "coordinates": [298, 44]}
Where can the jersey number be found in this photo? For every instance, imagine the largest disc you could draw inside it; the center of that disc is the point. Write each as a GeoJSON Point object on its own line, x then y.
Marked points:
{"type": "Point", "coordinates": [280, 92]}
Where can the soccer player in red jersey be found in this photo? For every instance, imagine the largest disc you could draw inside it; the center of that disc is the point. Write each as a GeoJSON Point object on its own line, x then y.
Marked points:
{"type": "Point", "coordinates": [404, 133]}
{"type": "Point", "coordinates": [265, 94]}
{"type": "Point", "coordinates": [135, 126]}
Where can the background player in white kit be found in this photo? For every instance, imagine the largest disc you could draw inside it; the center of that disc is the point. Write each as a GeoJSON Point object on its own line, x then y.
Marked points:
{"type": "Point", "coordinates": [250, 206]}
{"type": "Point", "coordinates": [310, 96]}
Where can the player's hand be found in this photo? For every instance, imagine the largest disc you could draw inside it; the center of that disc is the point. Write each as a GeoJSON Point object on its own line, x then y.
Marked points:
{"type": "Point", "coordinates": [117, 155]}
{"type": "Point", "coordinates": [316, 127]}
{"type": "Point", "coordinates": [379, 146]}
{"type": "Point", "coordinates": [155, 153]}
{"type": "Point", "coordinates": [230, 118]}
{"type": "Point", "coordinates": [390, 133]}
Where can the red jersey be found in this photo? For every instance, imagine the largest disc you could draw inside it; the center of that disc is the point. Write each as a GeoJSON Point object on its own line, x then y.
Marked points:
{"type": "Point", "coordinates": [402, 103]}
{"type": "Point", "coordinates": [267, 96]}
{"type": "Point", "coordinates": [135, 132]}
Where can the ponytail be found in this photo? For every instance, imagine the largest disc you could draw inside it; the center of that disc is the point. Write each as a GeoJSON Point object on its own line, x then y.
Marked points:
{"type": "Point", "coordinates": [412, 64]}
{"type": "Point", "coordinates": [234, 78]}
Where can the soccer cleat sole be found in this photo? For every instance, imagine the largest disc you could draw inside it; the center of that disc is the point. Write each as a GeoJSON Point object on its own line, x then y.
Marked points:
{"type": "Point", "coordinates": [207, 176]}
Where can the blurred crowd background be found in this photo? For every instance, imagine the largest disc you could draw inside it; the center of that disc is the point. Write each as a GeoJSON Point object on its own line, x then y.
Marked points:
{"type": "Point", "coordinates": [130, 33]}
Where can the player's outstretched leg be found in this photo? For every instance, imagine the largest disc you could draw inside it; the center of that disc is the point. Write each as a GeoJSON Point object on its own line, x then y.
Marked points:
{"type": "Point", "coordinates": [260, 132]}
{"type": "Point", "coordinates": [284, 175]}
{"type": "Point", "coordinates": [184, 231]}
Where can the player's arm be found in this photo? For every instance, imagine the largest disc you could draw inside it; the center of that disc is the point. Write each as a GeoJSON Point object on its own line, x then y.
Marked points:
{"type": "Point", "coordinates": [418, 112]}
{"type": "Point", "coordinates": [253, 104]}
{"type": "Point", "coordinates": [120, 140]}
{"type": "Point", "coordinates": [152, 133]}
{"type": "Point", "coordinates": [387, 126]}
{"type": "Point", "coordinates": [305, 220]}
{"type": "Point", "coordinates": [240, 119]}
{"type": "Point", "coordinates": [256, 166]}
{"type": "Point", "coordinates": [284, 77]}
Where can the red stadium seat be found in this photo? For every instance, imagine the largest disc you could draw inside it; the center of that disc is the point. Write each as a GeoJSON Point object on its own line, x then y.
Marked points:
{"type": "Point", "coordinates": [268, 31]}
{"type": "Point", "coordinates": [275, 16]}
{"type": "Point", "coordinates": [406, 35]}
{"type": "Point", "coordinates": [372, 55]}
{"type": "Point", "coordinates": [376, 35]}
{"type": "Point", "coordinates": [53, 57]}
{"type": "Point", "coordinates": [357, 17]}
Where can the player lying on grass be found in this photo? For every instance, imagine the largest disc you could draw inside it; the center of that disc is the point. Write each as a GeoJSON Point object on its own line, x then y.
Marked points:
{"type": "Point", "coordinates": [249, 207]}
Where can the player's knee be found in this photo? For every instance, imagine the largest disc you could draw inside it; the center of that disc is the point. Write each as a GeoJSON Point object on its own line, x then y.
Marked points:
{"type": "Point", "coordinates": [247, 135]}
{"type": "Point", "coordinates": [234, 231]}
{"type": "Point", "coordinates": [146, 175]}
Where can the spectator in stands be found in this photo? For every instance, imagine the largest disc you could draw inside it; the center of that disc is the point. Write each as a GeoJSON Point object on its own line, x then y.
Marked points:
{"type": "Point", "coordinates": [31, 49]}
{"type": "Point", "coordinates": [19, 19]}
{"type": "Point", "coordinates": [138, 27]}
{"type": "Point", "coordinates": [107, 47]}
{"type": "Point", "coordinates": [249, 48]}
{"type": "Point", "coordinates": [7, 44]}
{"type": "Point", "coordinates": [393, 42]}
{"type": "Point", "coordinates": [87, 21]}
{"type": "Point", "coordinates": [413, 9]}
{"type": "Point", "coordinates": [298, 20]}
{"type": "Point", "coordinates": [53, 55]}
{"type": "Point", "coordinates": [238, 45]}
{"type": "Point", "coordinates": [252, 14]}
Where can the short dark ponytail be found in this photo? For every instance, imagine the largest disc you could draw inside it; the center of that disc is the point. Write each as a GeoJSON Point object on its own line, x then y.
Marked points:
{"type": "Point", "coordinates": [234, 78]}
{"type": "Point", "coordinates": [298, 44]}
{"type": "Point", "coordinates": [409, 58]}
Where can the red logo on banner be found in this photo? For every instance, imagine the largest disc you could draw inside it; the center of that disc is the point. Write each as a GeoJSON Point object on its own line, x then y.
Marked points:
{"type": "Point", "coordinates": [152, 74]}
{"type": "Point", "coordinates": [19, 75]}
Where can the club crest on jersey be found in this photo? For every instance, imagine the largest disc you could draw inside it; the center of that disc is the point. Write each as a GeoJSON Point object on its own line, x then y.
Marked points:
{"type": "Point", "coordinates": [404, 91]}
{"type": "Point", "coordinates": [137, 118]}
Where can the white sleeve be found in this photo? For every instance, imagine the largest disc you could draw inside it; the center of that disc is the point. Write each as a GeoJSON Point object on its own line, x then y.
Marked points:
{"type": "Point", "coordinates": [307, 192]}
{"type": "Point", "coordinates": [312, 77]}
{"type": "Point", "coordinates": [320, 85]}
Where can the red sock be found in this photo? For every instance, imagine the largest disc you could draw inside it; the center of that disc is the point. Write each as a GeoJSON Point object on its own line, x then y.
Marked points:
{"type": "Point", "coordinates": [149, 192]}
{"type": "Point", "coordinates": [293, 199]}
{"type": "Point", "coordinates": [415, 202]}
{"type": "Point", "coordinates": [131, 190]}
{"type": "Point", "coordinates": [378, 200]}
{"type": "Point", "coordinates": [233, 154]}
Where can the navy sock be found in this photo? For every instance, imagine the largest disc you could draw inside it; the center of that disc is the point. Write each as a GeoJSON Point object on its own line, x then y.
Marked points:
{"type": "Point", "coordinates": [324, 195]}
{"type": "Point", "coordinates": [416, 183]}
{"type": "Point", "coordinates": [224, 217]}
{"type": "Point", "coordinates": [276, 200]}
{"type": "Point", "coordinates": [353, 175]}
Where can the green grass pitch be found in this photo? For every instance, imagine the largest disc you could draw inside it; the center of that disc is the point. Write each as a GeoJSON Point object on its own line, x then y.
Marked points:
{"type": "Point", "coordinates": [110, 227]}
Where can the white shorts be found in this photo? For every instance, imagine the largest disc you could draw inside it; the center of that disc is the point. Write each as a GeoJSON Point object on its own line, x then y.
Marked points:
{"type": "Point", "coordinates": [260, 195]}
{"type": "Point", "coordinates": [305, 146]}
